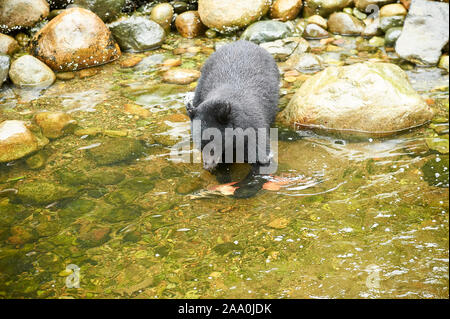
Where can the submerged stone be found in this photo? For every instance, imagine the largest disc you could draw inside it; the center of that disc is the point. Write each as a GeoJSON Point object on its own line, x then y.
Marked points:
{"type": "Point", "coordinates": [54, 124]}
{"type": "Point", "coordinates": [116, 150]}
{"type": "Point", "coordinates": [42, 193]}
{"type": "Point", "coordinates": [436, 171]}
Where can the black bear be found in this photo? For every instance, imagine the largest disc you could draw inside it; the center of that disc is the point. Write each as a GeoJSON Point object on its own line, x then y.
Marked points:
{"type": "Point", "coordinates": [235, 103]}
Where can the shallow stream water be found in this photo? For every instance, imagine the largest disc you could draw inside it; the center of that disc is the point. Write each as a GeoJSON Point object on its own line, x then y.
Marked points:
{"type": "Point", "coordinates": [357, 218]}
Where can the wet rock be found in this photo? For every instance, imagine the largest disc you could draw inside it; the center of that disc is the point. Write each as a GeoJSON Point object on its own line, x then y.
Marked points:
{"type": "Point", "coordinates": [181, 76]}
{"type": "Point", "coordinates": [131, 62]}
{"type": "Point", "coordinates": [54, 124]}
{"type": "Point", "coordinates": [149, 62]}
{"type": "Point", "coordinates": [180, 6]}
{"type": "Point", "coordinates": [438, 144]}
{"type": "Point", "coordinates": [313, 31]}
{"type": "Point", "coordinates": [316, 19]}
{"type": "Point", "coordinates": [324, 7]}
{"type": "Point", "coordinates": [189, 24]}
{"type": "Point", "coordinates": [372, 28]}
{"type": "Point", "coordinates": [360, 15]}
{"type": "Point", "coordinates": [137, 34]}
{"type": "Point", "coordinates": [105, 177]}
{"type": "Point", "coordinates": [5, 62]}
{"type": "Point", "coordinates": [116, 150]}
{"type": "Point", "coordinates": [37, 161]}
{"type": "Point", "coordinates": [162, 14]}
{"type": "Point", "coordinates": [392, 35]}
{"type": "Point", "coordinates": [188, 185]}
{"type": "Point", "coordinates": [443, 62]}
{"type": "Point", "coordinates": [16, 14]}
{"type": "Point", "coordinates": [71, 177]}
{"type": "Point", "coordinates": [436, 171]}
{"type": "Point", "coordinates": [65, 76]}
{"type": "Point", "coordinates": [367, 98]}
{"type": "Point", "coordinates": [8, 45]}
{"type": "Point", "coordinates": [376, 42]}
{"type": "Point", "coordinates": [300, 27]}
{"type": "Point", "coordinates": [425, 32]}
{"type": "Point", "coordinates": [229, 16]}
{"type": "Point", "coordinates": [107, 10]}
{"type": "Point", "coordinates": [211, 34]}
{"type": "Point", "coordinates": [363, 4]}
{"type": "Point", "coordinates": [77, 208]}
{"type": "Point", "coordinates": [387, 23]}
{"type": "Point", "coordinates": [394, 9]}
{"type": "Point", "coordinates": [43, 193]}
{"type": "Point", "coordinates": [345, 24]}
{"type": "Point", "coordinates": [93, 236]}
{"type": "Point", "coordinates": [285, 10]}
{"type": "Point", "coordinates": [21, 235]}
{"type": "Point", "coordinates": [29, 72]}
{"type": "Point", "coordinates": [74, 40]}
{"type": "Point", "coordinates": [304, 62]}
{"type": "Point", "coordinates": [265, 31]}
{"type": "Point", "coordinates": [281, 49]}
{"type": "Point", "coordinates": [17, 140]}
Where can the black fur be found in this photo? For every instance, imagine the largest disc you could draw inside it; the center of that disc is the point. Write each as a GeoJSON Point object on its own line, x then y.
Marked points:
{"type": "Point", "coordinates": [238, 88]}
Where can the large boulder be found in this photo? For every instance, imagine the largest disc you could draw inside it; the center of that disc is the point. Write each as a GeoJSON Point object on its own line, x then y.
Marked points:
{"type": "Point", "coordinates": [17, 141]}
{"type": "Point", "coordinates": [324, 7]}
{"type": "Point", "coordinates": [363, 98]}
{"type": "Point", "coordinates": [16, 14]}
{"type": "Point", "coordinates": [73, 40]}
{"type": "Point", "coordinates": [137, 34]}
{"type": "Point", "coordinates": [107, 10]}
{"type": "Point", "coordinates": [228, 16]}
{"type": "Point", "coordinates": [29, 72]}
{"type": "Point", "coordinates": [425, 32]}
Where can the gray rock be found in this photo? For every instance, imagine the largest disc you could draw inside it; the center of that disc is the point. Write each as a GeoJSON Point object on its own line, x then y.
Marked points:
{"type": "Point", "coordinates": [266, 31]}
{"type": "Point", "coordinates": [305, 62]}
{"type": "Point", "coordinates": [387, 23]}
{"type": "Point", "coordinates": [314, 31]}
{"type": "Point", "coordinates": [5, 62]}
{"type": "Point", "coordinates": [425, 32]}
{"type": "Point", "coordinates": [137, 34]}
{"type": "Point", "coordinates": [107, 10]}
{"type": "Point", "coordinates": [392, 36]}
{"type": "Point", "coordinates": [281, 49]}
{"type": "Point", "coordinates": [29, 72]}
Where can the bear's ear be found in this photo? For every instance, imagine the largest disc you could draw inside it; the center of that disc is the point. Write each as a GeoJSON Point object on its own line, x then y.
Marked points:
{"type": "Point", "coordinates": [223, 111]}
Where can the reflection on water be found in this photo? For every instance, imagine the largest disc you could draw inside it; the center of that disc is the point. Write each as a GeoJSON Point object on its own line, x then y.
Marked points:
{"type": "Point", "coordinates": [363, 218]}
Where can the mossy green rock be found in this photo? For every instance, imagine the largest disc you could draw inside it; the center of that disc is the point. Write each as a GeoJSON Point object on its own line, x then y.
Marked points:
{"type": "Point", "coordinates": [436, 171]}
{"type": "Point", "coordinates": [188, 185]}
{"type": "Point", "coordinates": [387, 23]}
{"type": "Point", "coordinates": [108, 177]}
{"type": "Point", "coordinates": [42, 193]}
{"type": "Point", "coordinates": [116, 150]}
{"type": "Point", "coordinates": [368, 98]}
